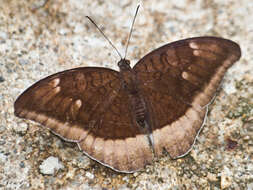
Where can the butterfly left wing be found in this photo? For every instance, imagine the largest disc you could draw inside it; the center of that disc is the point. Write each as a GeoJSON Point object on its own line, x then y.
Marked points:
{"type": "Point", "coordinates": [178, 81]}
{"type": "Point", "coordinates": [88, 106]}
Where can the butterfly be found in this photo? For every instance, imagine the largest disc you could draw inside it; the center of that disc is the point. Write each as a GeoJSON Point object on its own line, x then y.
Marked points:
{"type": "Point", "coordinates": [125, 119]}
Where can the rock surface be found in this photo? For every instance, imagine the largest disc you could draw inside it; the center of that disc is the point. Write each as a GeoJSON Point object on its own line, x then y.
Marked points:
{"type": "Point", "coordinates": [37, 40]}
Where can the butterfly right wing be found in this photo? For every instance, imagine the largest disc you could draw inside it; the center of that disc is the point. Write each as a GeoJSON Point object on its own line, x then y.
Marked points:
{"type": "Point", "coordinates": [178, 81]}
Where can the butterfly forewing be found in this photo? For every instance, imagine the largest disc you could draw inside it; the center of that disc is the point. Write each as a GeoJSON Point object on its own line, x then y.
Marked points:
{"type": "Point", "coordinates": [178, 81]}
{"type": "Point", "coordinates": [66, 99]}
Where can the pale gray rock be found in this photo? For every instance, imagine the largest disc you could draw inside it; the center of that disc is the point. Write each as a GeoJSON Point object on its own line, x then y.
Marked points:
{"type": "Point", "coordinates": [50, 166]}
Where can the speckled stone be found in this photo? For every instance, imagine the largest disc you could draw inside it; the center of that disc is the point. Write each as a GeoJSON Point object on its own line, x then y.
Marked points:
{"type": "Point", "coordinates": [50, 166]}
{"type": "Point", "coordinates": [37, 41]}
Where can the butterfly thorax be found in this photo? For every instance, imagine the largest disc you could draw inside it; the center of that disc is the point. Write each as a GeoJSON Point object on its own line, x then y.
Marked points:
{"type": "Point", "coordinates": [128, 77]}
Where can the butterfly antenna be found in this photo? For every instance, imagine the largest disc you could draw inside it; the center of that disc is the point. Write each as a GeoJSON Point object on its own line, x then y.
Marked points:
{"type": "Point", "coordinates": [104, 35]}
{"type": "Point", "coordinates": [131, 30]}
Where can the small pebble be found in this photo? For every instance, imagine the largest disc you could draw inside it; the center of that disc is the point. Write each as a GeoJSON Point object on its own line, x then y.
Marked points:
{"type": "Point", "coordinates": [21, 128]}
{"type": "Point", "coordinates": [89, 175]}
{"type": "Point", "coordinates": [225, 181]}
{"type": "Point", "coordinates": [2, 128]}
{"type": "Point", "coordinates": [212, 177]}
{"type": "Point", "coordinates": [50, 166]}
{"type": "Point", "coordinates": [2, 142]}
{"type": "Point", "coordinates": [22, 164]}
{"type": "Point", "coordinates": [23, 62]}
{"type": "Point", "coordinates": [2, 79]}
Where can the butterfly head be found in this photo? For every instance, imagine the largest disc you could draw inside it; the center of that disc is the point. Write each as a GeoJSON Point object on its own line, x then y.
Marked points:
{"type": "Point", "coordinates": [124, 64]}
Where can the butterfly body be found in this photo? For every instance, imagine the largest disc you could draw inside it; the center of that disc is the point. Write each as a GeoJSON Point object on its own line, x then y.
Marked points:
{"type": "Point", "coordinates": [130, 85]}
{"type": "Point", "coordinates": [124, 119]}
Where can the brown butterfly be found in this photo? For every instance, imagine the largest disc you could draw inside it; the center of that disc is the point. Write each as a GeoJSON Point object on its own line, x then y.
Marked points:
{"type": "Point", "coordinates": [124, 119]}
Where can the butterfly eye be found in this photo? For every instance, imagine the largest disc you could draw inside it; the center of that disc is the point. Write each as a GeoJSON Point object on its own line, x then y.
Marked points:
{"type": "Point", "coordinates": [124, 64]}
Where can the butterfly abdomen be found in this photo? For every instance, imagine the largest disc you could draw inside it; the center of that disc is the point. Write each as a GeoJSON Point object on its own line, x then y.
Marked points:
{"type": "Point", "coordinates": [139, 109]}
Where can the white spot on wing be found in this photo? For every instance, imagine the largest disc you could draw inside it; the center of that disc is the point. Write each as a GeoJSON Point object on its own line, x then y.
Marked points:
{"type": "Point", "coordinates": [78, 103]}
{"type": "Point", "coordinates": [57, 89]}
{"type": "Point", "coordinates": [55, 82]}
{"type": "Point", "coordinates": [185, 75]}
{"type": "Point", "coordinates": [193, 45]}
{"type": "Point", "coordinates": [196, 52]}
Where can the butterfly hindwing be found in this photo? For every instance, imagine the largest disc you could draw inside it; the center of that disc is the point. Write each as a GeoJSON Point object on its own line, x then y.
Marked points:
{"type": "Point", "coordinates": [118, 142]}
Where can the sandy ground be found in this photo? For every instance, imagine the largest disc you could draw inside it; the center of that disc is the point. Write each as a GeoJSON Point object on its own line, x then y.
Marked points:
{"type": "Point", "coordinates": [38, 41]}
